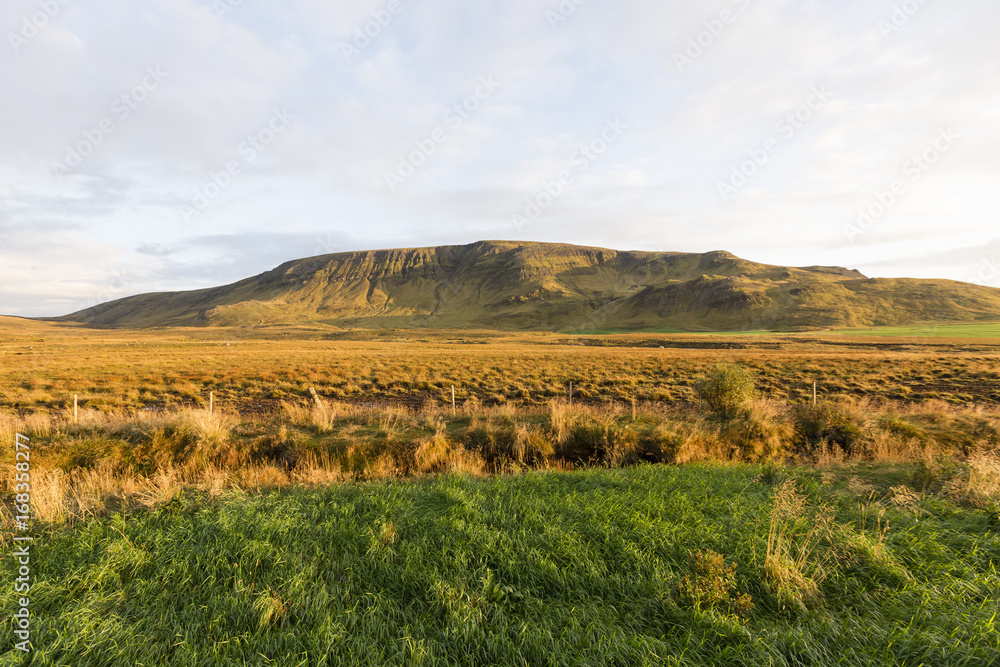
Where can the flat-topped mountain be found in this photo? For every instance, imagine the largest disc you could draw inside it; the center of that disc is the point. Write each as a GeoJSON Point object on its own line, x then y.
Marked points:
{"type": "Point", "coordinates": [558, 287]}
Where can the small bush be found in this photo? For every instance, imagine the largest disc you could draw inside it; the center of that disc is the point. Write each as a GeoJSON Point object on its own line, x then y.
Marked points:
{"type": "Point", "coordinates": [726, 390]}
{"type": "Point", "coordinates": [499, 438]}
{"type": "Point", "coordinates": [833, 424]}
{"type": "Point", "coordinates": [759, 433]}
{"type": "Point", "coordinates": [440, 455]}
{"type": "Point", "coordinates": [661, 444]}
{"type": "Point", "coordinates": [709, 586]}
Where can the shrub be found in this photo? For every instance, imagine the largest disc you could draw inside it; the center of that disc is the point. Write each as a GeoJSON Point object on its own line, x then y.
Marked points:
{"type": "Point", "coordinates": [530, 445]}
{"type": "Point", "coordinates": [758, 433]}
{"type": "Point", "coordinates": [494, 439]}
{"type": "Point", "coordinates": [815, 424]}
{"type": "Point", "coordinates": [503, 439]}
{"type": "Point", "coordinates": [726, 390]}
{"type": "Point", "coordinates": [709, 586]}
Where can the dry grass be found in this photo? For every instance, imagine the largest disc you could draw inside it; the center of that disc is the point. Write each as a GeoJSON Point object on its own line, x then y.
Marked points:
{"type": "Point", "coordinates": [978, 483]}
{"type": "Point", "coordinates": [438, 454]}
{"type": "Point", "coordinates": [83, 467]}
{"type": "Point", "coordinates": [135, 369]}
{"type": "Point", "coordinates": [794, 565]}
{"type": "Point", "coordinates": [886, 447]}
{"type": "Point", "coordinates": [984, 478]}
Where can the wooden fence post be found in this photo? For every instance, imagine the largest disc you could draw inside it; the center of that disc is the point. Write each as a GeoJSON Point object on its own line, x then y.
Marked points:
{"type": "Point", "coordinates": [211, 401]}
{"type": "Point", "coordinates": [76, 409]}
{"type": "Point", "coordinates": [452, 400]}
{"type": "Point", "coordinates": [319, 403]}
{"type": "Point", "coordinates": [814, 393]}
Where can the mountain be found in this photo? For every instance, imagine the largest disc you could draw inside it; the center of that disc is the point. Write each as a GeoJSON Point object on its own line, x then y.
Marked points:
{"type": "Point", "coordinates": [559, 287]}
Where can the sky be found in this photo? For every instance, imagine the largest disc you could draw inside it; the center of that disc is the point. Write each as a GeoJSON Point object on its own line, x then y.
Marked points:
{"type": "Point", "coordinates": [180, 144]}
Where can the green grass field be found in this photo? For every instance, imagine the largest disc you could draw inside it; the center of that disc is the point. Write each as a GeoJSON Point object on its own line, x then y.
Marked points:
{"type": "Point", "coordinates": [933, 330]}
{"type": "Point", "coordinates": [930, 330]}
{"type": "Point", "coordinates": [539, 569]}
{"type": "Point", "coordinates": [615, 332]}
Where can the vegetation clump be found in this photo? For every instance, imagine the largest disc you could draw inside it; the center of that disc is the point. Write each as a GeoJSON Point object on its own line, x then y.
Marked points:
{"type": "Point", "coordinates": [711, 586]}
{"type": "Point", "coordinates": [826, 423]}
{"type": "Point", "coordinates": [726, 390]}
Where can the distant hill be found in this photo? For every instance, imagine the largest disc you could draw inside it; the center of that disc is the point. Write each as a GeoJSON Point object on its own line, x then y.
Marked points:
{"type": "Point", "coordinates": [511, 285]}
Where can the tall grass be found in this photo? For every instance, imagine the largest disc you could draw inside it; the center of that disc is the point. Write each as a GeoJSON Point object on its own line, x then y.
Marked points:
{"type": "Point", "coordinates": [645, 565]}
{"type": "Point", "coordinates": [104, 460]}
{"type": "Point", "coordinates": [793, 561]}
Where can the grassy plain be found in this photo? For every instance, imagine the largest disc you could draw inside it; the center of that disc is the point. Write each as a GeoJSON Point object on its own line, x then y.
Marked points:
{"type": "Point", "coordinates": [989, 330]}
{"type": "Point", "coordinates": [374, 525]}
{"type": "Point", "coordinates": [583, 568]}
{"type": "Point", "coordinates": [254, 369]}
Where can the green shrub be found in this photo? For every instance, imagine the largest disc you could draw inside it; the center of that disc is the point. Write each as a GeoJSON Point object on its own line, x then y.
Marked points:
{"type": "Point", "coordinates": [709, 586]}
{"type": "Point", "coordinates": [726, 390]}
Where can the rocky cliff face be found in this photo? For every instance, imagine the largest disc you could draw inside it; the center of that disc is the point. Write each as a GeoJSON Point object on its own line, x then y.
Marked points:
{"type": "Point", "coordinates": [521, 285]}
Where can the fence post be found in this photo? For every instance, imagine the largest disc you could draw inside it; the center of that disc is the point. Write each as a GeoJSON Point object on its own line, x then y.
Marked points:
{"type": "Point", "coordinates": [814, 393]}
{"type": "Point", "coordinates": [211, 401]}
{"type": "Point", "coordinates": [319, 403]}
{"type": "Point", "coordinates": [76, 409]}
{"type": "Point", "coordinates": [571, 393]}
{"type": "Point", "coordinates": [452, 400]}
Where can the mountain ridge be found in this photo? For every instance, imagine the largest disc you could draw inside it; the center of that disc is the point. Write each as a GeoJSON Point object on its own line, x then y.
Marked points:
{"type": "Point", "coordinates": [515, 285]}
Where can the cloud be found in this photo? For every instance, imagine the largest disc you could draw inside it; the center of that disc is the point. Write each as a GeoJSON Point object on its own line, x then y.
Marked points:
{"type": "Point", "coordinates": [321, 183]}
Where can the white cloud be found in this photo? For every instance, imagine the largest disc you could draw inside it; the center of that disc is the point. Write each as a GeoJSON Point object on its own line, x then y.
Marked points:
{"type": "Point", "coordinates": [323, 178]}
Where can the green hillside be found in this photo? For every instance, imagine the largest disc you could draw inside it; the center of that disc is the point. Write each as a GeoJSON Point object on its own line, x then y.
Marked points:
{"type": "Point", "coordinates": [511, 285]}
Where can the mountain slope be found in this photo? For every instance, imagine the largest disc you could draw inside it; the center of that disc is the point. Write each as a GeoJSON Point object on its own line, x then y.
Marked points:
{"type": "Point", "coordinates": [522, 285]}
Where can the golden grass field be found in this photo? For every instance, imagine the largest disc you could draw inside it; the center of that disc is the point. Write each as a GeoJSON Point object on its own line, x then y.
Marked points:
{"type": "Point", "coordinates": [253, 370]}
{"type": "Point", "coordinates": [383, 405]}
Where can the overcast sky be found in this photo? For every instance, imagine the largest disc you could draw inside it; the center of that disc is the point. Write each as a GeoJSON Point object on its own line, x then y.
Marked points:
{"type": "Point", "coordinates": [177, 144]}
